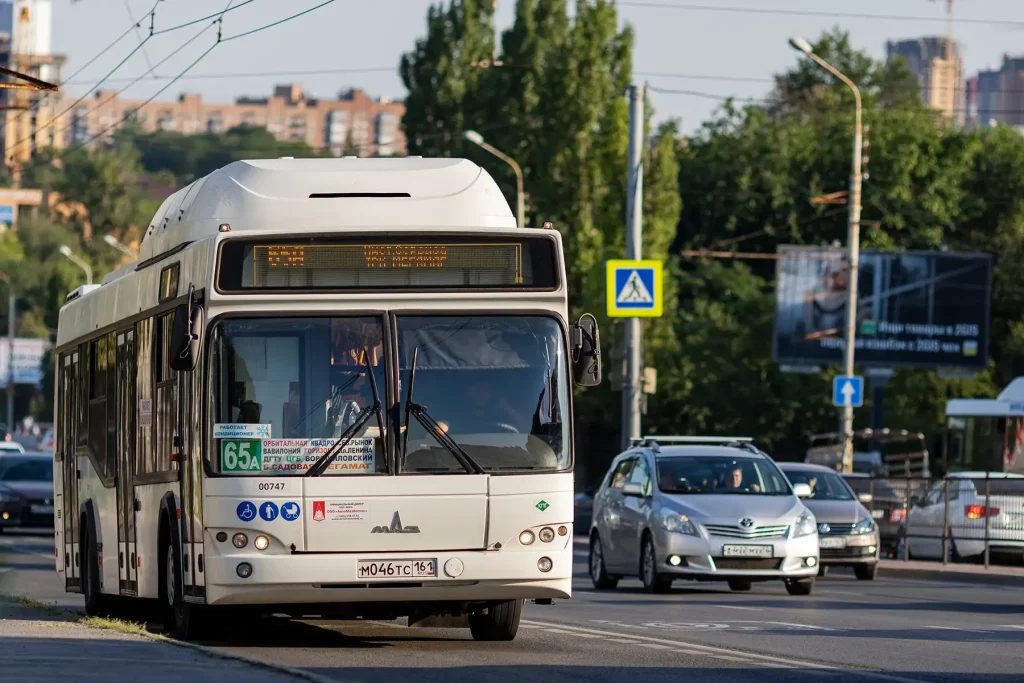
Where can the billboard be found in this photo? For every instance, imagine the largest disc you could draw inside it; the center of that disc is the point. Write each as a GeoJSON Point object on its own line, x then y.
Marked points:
{"type": "Point", "coordinates": [921, 309]}
{"type": "Point", "coordinates": [28, 360]}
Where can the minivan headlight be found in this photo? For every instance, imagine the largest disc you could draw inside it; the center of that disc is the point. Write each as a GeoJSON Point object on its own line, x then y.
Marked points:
{"type": "Point", "coordinates": [805, 526]}
{"type": "Point", "coordinates": [677, 523]}
{"type": "Point", "coordinates": [864, 526]}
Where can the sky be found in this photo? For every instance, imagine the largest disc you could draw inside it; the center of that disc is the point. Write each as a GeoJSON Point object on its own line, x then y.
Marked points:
{"type": "Point", "coordinates": [711, 48]}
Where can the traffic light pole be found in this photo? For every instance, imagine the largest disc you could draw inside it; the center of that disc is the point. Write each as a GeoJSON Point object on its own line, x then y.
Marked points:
{"type": "Point", "coordinates": [632, 389]}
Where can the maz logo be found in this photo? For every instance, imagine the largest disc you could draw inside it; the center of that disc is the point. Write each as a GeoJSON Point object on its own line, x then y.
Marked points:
{"type": "Point", "coordinates": [396, 527]}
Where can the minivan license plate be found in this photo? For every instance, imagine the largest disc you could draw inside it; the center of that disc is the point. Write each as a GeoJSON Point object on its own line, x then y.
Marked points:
{"type": "Point", "coordinates": [396, 569]}
{"type": "Point", "coordinates": [748, 551]}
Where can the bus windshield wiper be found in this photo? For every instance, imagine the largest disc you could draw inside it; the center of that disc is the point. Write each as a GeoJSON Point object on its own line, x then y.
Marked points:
{"type": "Point", "coordinates": [433, 428]}
{"type": "Point", "coordinates": [321, 465]}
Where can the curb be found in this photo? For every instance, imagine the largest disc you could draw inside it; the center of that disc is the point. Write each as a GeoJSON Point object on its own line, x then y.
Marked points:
{"type": "Point", "coordinates": [950, 574]}
{"type": "Point", "coordinates": [280, 668]}
{"type": "Point", "coordinates": [212, 652]}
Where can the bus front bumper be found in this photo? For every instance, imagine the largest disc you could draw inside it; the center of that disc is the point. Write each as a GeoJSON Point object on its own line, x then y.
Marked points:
{"type": "Point", "coordinates": [333, 577]}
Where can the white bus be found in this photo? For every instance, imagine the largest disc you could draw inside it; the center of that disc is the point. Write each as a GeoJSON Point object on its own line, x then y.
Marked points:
{"type": "Point", "coordinates": [328, 387]}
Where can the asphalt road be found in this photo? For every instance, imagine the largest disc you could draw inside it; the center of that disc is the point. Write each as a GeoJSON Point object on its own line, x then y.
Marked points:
{"type": "Point", "coordinates": [886, 630]}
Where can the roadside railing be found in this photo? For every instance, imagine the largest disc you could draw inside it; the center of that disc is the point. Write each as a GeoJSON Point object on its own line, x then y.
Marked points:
{"type": "Point", "coordinates": [952, 518]}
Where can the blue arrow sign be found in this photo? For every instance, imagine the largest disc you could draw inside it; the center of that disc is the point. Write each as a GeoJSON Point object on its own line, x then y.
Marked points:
{"type": "Point", "coordinates": [848, 391]}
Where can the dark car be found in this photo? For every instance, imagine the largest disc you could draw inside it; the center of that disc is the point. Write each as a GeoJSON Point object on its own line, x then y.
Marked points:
{"type": "Point", "coordinates": [26, 491]}
{"type": "Point", "coordinates": [888, 506]}
{"type": "Point", "coordinates": [583, 506]}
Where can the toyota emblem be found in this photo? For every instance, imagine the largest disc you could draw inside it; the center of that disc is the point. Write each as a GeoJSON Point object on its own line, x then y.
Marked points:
{"type": "Point", "coordinates": [824, 528]}
{"type": "Point", "coordinates": [746, 522]}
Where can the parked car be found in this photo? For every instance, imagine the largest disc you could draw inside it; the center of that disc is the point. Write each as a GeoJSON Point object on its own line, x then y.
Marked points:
{"type": "Point", "coordinates": [26, 490]}
{"type": "Point", "coordinates": [887, 505]}
{"type": "Point", "coordinates": [847, 532]}
{"type": "Point", "coordinates": [690, 508]}
{"type": "Point", "coordinates": [966, 513]}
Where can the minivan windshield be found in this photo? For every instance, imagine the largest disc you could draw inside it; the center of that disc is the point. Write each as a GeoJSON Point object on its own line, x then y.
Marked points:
{"type": "Point", "coordinates": [716, 474]}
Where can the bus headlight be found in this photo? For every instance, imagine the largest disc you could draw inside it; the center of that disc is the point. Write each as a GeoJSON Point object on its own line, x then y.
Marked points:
{"type": "Point", "coordinates": [547, 534]}
{"type": "Point", "coordinates": [544, 564]}
{"type": "Point", "coordinates": [526, 538]}
{"type": "Point", "coordinates": [240, 540]}
{"type": "Point", "coordinates": [261, 542]}
{"type": "Point", "coordinates": [244, 570]}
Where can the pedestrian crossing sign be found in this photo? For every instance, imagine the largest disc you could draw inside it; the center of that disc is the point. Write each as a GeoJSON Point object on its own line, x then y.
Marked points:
{"type": "Point", "coordinates": [634, 289]}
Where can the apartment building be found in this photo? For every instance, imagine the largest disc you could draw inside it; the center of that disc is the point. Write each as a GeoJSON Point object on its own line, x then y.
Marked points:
{"type": "Point", "coordinates": [352, 123]}
{"type": "Point", "coordinates": [941, 78]}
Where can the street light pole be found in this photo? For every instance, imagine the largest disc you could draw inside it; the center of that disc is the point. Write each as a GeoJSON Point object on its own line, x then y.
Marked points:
{"type": "Point", "coordinates": [70, 255]}
{"type": "Point", "coordinates": [853, 247]}
{"type": "Point", "coordinates": [478, 140]}
{"type": "Point", "coordinates": [120, 246]}
{"type": "Point", "coordinates": [10, 349]}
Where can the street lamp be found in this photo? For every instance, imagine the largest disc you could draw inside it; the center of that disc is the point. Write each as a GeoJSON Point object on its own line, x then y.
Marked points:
{"type": "Point", "coordinates": [10, 349]}
{"type": "Point", "coordinates": [852, 243]}
{"type": "Point", "coordinates": [120, 246]}
{"type": "Point", "coordinates": [66, 250]}
{"type": "Point", "coordinates": [478, 139]}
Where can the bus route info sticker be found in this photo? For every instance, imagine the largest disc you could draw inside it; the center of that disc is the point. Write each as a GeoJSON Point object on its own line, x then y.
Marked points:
{"type": "Point", "coordinates": [285, 456]}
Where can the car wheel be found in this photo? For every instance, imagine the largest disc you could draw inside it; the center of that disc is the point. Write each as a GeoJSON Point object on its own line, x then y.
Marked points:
{"type": "Point", "coordinates": [499, 623]}
{"type": "Point", "coordinates": [800, 586]}
{"type": "Point", "coordinates": [740, 586]}
{"type": "Point", "coordinates": [866, 572]}
{"type": "Point", "coordinates": [599, 576]}
{"type": "Point", "coordinates": [654, 581]}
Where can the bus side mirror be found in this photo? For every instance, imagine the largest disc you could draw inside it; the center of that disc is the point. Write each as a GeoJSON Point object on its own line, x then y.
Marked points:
{"type": "Point", "coordinates": [586, 352]}
{"type": "Point", "coordinates": [186, 337]}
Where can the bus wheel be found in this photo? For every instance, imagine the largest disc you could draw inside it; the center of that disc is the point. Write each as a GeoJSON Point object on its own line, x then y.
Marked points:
{"type": "Point", "coordinates": [96, 604]}
{"type": "Point", "coordinates": [499, 622]}
{"type": "Point", "coordinates": [180, 617]}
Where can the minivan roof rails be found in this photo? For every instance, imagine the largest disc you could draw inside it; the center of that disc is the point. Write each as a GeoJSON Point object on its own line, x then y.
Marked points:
{"type": "Point", "coordinates": [653, 438]}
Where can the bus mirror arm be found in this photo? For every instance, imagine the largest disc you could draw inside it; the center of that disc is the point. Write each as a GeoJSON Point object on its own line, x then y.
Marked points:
{"type": "Point", "coordinates": [186, 335]}
{"type": "Point", "coordinates": [586, 351]}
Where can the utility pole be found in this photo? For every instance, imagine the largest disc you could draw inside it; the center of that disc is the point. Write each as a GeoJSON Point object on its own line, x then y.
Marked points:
{"type": "Point", "coordinates": [631, 387]}
{"type": "Point", "coordinates": [852, 243]}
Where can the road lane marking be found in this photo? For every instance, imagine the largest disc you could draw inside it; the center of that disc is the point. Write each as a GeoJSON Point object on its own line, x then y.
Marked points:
{"type": "Point", "coordinates": [767, 661]}
{"type": "Point", "coordinates": [956, 628]}
{"type": "Point", "coordinates": [748, 609]}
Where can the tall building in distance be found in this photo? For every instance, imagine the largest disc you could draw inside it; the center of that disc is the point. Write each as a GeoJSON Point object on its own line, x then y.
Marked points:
{"type": "Point", "coordinates": [941, 77]}
{"type": "Point", "coordinates": [996, 96]}
{"type": "Point", "coordinates": [354, 123]}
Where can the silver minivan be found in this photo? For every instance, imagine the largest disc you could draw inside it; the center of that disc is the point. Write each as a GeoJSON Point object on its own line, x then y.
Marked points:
{"type": "Point", "coordinates": [704, 509]}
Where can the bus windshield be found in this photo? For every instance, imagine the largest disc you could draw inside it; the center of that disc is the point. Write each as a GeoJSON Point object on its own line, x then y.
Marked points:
{"type": "Point", "coordinates": [287, 388]}
{"type": "Point", "coordinates": [497, 386]}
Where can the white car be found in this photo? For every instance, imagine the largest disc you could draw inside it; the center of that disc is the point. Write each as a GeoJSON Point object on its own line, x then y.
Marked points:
{"type": "Point", "coordinates": [922, 530]}
{"type": "Point", "coordinates": [709, 510]}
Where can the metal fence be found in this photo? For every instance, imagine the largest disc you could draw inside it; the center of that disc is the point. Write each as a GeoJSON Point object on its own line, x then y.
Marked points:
{"type": "Point", "coordinates": [947, 519]}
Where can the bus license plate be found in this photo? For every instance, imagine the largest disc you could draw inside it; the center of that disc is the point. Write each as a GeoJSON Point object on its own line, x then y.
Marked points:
{"type": "Point", "coordinates": [396, 569]}
{"type": "Point", "coordinates": [748, 551]}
